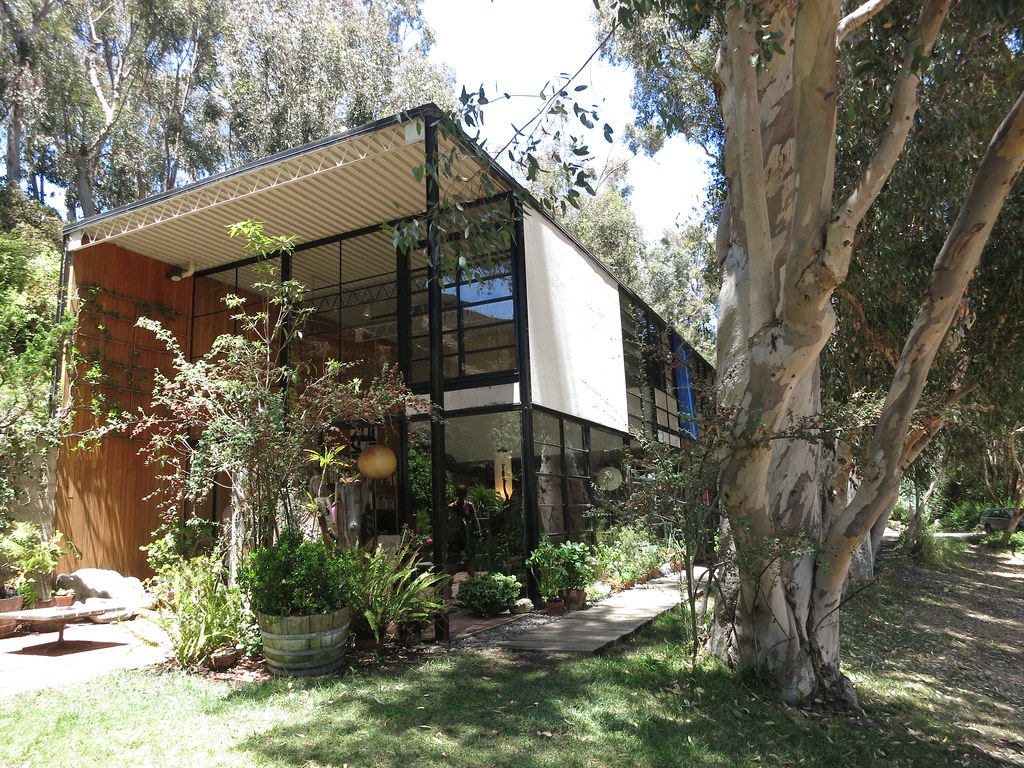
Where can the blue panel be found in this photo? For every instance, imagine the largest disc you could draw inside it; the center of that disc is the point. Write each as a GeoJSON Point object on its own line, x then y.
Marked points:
{"type": "Point", "coordinates": [684, 391]}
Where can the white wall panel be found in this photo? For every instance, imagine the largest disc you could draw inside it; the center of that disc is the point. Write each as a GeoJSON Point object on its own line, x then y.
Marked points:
{"type": "Point", "coordinates": [575, 332]}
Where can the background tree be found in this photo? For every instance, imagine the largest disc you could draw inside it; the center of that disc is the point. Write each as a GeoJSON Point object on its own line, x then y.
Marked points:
{"type": "Point", "coordinates": [115, 101]}
{"type": "Point", "coordinates": [30, 341]}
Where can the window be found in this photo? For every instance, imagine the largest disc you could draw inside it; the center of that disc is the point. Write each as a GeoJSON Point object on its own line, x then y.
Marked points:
{"type": "Point", "coordinates": [477, 329]}
{"type": "Point", "coordinates": [659, 395]}
{"type": "Point", "coordinates": [566, 453]}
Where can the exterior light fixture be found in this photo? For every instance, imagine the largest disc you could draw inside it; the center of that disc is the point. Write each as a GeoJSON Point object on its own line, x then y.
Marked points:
{"type": "Point", "coordinates": [177, 274]}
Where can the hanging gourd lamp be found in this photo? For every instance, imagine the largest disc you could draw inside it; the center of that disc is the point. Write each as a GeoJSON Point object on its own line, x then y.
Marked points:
{"type": "Point", "coordinates": [377, 461]}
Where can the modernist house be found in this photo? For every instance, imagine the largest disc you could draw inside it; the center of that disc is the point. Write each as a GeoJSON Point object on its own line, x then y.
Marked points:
{"type": "Point", "coordinates": [541, 365]}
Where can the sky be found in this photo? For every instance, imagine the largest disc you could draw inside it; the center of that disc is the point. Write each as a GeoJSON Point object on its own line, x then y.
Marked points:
{"type": "Point", "coordinates": [518, 46]}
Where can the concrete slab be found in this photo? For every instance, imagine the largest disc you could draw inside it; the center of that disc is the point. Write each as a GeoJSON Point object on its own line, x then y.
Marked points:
{"type": "Point", "coordinates": [30, 661]}
{"type": "Point", "coordinates": [602, 625]}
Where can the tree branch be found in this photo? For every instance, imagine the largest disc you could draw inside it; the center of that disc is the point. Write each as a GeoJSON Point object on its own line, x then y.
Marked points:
{"type": "Point", "coordinates": [858, 17]}
{"type": "Point", "coordinates": [903, 107]}
{"type": "Point", "coordinates": [922, 437]}
{"type": "Point", "coordinates": [745, 159]}
{"type": "Point", "coordinates": [808, 287]}
{"type": "Point", "coordinates": [954, 267]}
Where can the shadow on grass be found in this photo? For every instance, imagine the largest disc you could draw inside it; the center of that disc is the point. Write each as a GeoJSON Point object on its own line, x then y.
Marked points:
{"type": "Point", "coordinates": [942, 644]}
{"type": "Point", "coordinates": [640, 705]}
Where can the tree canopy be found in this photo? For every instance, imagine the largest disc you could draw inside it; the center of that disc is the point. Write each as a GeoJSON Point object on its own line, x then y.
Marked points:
{"type": "Point", "coordinates": [115, 101]}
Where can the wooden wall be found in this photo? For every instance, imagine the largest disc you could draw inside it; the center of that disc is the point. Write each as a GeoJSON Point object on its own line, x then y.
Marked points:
{"type": "Point", "coordinates": [101, 492]}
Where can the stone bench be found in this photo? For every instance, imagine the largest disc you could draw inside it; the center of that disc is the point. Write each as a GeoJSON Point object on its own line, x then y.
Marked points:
{"type": "Point", "coordinates": [60, 617]}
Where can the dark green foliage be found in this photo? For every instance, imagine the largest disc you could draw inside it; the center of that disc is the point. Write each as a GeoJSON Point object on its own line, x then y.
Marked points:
{"type": "Point", "coordinates": [965, 516]}
{"type": "Point", "coordinates": [30, 340]}
{"type": "Point", "coordinates": [296, 577]}
{"type": "Point", "coordinates": [489, 594]}
{"type": "Point", "coordinates": [390, 587]}
{"type": "Point", "coordinates": [176, 540]}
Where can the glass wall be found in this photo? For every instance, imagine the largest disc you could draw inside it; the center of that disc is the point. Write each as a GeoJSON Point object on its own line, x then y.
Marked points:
{"type": "Point", "coordinates": [659, 396]}
{"type": "Point", "coordinates": [478, 335]}
{"type": "Point", "coordinates": [568, 455]}
{"type": "Point", "coordinates": [484, 469]}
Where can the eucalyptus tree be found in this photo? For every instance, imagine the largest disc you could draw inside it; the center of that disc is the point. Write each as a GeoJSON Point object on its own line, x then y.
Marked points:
{"type": "Point", "coordinates": [295, 70]}
{"type": "Point", "coordinates": [101, 83]}
{"type": "Point", "coordinates": [23, 40]}
{"type": "Point", "coordinates": [788, 233]}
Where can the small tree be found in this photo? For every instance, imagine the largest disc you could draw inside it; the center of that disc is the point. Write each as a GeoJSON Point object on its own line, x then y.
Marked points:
{"type": "Point", "coordinates": [242, 410]}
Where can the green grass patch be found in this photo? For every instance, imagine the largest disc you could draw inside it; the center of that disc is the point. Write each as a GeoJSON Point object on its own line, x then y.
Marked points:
{"type": "Point", "coordinates": [641, 705]}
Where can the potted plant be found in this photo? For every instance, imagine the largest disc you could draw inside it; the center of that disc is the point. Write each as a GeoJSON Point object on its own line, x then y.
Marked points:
{"type": "Point", "coordinates": [578, 567]}
{"type": "Point", "coordinates": [489, 594]}
{"type": "Point", "coordinates": [546, 562]}
{"type": "Point", "coordinates": [29, 556]}
{"type": "Point", "coordinates": [300, 592]}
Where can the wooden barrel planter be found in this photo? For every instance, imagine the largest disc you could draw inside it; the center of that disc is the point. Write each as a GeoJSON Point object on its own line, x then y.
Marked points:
{"type": "Point", "coordinates": [304, 645]}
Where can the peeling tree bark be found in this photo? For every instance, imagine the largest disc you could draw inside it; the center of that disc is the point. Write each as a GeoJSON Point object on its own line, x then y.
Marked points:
{"type": "Point", "coordinates": [784, 251]}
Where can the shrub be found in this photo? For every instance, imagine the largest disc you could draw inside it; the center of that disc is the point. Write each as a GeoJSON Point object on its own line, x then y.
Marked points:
{"type": "Point", "coordinates": [200, 612]}
{"type": "Point", "coordinates": [296, 577]}
{"type": "Point", "coordinates": [965, 516]}
{"type": "Point", "coordinates": [578, 564]}
{"type": "Point", "coordinates": [546, 562]}
{"type": "Point", "coordinates": [175, 540]}
{"type": "Point", "coordinates": [388, 587]}
{"type": "Point", "coordinates": [935, 550]}
{"type": "Point", "coordinates": [489, 594]}
{"type": "Point", "coordinates": [1017, 541]}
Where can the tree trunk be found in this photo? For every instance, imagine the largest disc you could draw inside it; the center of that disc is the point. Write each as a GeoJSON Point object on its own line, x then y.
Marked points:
{"type": "Point", "coordinates": [84, 176]}
{"type": "Point", "coordinates": [13, 154]}
{"type": "Point", "coordinates": [783, 251]}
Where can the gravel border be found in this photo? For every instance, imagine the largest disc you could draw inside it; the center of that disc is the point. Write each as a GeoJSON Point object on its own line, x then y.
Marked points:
{"type": "Point", "coordinates": [490, 638]}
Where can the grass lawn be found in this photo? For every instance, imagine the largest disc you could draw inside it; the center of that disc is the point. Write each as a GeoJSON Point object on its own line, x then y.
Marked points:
{"type": "Point", "coordinates": [640, 705]}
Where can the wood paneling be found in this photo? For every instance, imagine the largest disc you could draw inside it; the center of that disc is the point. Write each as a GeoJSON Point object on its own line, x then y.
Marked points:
{"type": "Point", "coordinates": [101, 493]}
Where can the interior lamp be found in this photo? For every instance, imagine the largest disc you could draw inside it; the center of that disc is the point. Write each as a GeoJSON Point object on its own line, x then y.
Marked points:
{"type": "Point", "coordinates": [377, 461]}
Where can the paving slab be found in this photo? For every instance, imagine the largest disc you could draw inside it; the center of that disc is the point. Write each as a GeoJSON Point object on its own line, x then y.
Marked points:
{"type": "Point", "coordinates": [604, 624]}
{"type": "Point", "coordinates": [30, 661]}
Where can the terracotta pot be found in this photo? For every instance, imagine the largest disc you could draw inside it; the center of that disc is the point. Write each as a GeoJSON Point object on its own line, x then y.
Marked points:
{"type": "Point", "coordinates": [223, 658]}
{"type": "Point", "coordinates": [63, 601]}
{"type": "Point", "coordinates": [7, 626]}
{"type": "Point", "coordinates": [555, 607]}
{"type": "Point", "coordinates": [575, 599]}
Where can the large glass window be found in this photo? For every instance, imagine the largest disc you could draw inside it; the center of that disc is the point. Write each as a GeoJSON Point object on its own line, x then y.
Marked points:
{"type": "Point", "coordinates": [477, 330]}
{"type": "Point", "coordinates": [567, 456]}
{"type": "Point", "coordinates": [485, 458]}
{"type": "Point", "coordinates": [658, 392]}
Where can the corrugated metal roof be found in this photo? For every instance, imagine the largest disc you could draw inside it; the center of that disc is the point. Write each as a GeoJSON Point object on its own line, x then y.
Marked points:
{"type": "Point", "coordinates": [344, 183]}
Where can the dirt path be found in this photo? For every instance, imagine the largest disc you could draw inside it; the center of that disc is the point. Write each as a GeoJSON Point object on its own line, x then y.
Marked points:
{"type": "Point", "coordinates": [957, 634]}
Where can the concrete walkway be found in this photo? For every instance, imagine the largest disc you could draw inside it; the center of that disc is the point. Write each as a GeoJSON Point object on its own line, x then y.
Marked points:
{"type": "Point", "coordinates": [32, 661]}
{"type": "Point", "coordinates": [604, 624]}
